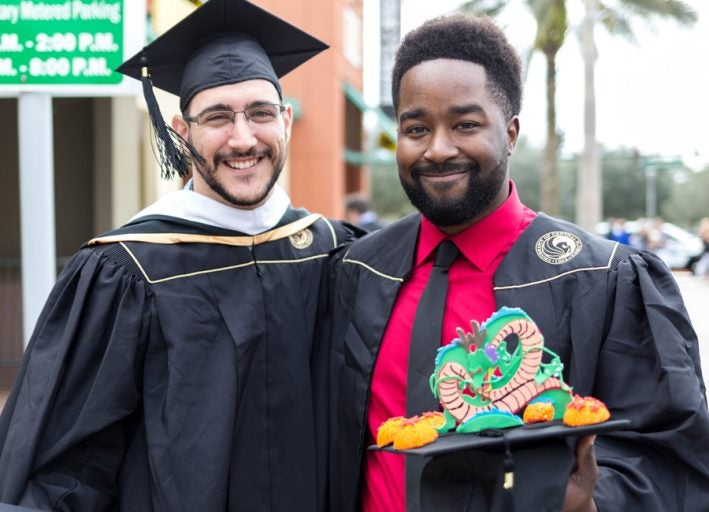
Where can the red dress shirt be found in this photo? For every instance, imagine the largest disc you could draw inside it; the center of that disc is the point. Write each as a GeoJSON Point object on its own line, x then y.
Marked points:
{"type": "Point", "coordinates": [470, 297]}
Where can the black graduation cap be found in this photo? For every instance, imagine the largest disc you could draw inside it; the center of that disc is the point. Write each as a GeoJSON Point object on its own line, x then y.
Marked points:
{"type": "Point", "coordinates": [508, 470]}
{"type": "Point", "coordinates": [221, 42]}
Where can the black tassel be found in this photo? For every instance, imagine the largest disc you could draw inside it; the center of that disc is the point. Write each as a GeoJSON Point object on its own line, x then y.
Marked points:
{"type": "Point", "coordinates": [174, 154]}
{"type": "Point", "coordinates": [508, 502]}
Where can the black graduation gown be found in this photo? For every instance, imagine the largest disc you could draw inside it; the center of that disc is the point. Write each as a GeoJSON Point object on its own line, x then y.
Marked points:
{"type": "Point", "coordinates": [167, 376]}
{"type": "Point", "coordinates": [615, 317]}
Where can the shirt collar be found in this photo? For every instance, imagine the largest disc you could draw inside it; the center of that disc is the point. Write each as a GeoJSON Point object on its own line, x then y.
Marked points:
{"type": "Point", "coordinates": [189, 205]}
{"type": "Point", "coordinates": [481, 242]}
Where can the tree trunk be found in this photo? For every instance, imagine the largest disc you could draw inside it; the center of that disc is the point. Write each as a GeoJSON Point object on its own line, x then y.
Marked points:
{"type": "Point", "coordinates": [589, 195]}
{"type": "Point", "coordinates": [549, 193]}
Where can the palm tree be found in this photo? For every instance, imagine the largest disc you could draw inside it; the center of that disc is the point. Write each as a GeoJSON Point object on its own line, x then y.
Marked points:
{"type": "Point", "coordinates": [550, 17]}
{"type": "Point", "coordinates": [589, 207]}
{"type": "Point", "coordinates": [551, 20]}
{"type": "Point", "coordinates": [589, 190]}
{"type": "Point", "coordinates": [551, 31]}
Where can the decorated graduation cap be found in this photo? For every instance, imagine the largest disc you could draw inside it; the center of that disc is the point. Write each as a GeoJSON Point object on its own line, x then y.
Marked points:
{"type": "Point", "coordinates": [222, 42]}
{"type": "Point", "coordinates": [487, 457]}
{"type": "Point", "coordinates": [509, 470]}
{"type": "Point", "coordinates": [500, 470]}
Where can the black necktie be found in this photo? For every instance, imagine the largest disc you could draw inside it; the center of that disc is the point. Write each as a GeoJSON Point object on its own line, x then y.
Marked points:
{"type": "Point", "coordinates": [426, 333]}
{"type": "Point", "coordinates": [425, 341]}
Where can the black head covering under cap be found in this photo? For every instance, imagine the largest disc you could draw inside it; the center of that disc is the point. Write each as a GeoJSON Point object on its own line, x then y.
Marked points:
{"type": "Point", "coordinates": [220, 43]}
{"type": "Point", "coordinates": [225, 59]}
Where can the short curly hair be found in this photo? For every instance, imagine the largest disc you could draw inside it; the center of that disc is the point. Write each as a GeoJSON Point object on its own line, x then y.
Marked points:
{"type": "Point", "coordinates": [469, 38]}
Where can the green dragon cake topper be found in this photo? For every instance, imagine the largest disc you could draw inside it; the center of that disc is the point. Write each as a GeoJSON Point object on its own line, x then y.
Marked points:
{"type": "Point", "coordinates": [481, 385]}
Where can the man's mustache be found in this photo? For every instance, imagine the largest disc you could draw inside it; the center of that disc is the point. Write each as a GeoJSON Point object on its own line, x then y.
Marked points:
{"type": "Point", "coordinates": [444, 168]}
{"type": "Point", "coordinates": [252, 153]}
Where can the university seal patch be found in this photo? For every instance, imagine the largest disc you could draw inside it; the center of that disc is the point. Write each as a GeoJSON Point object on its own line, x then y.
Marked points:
{"type": "Point", "coordinates": [557, 247]}
{"type": "Point", "coordinates": [302, 239]}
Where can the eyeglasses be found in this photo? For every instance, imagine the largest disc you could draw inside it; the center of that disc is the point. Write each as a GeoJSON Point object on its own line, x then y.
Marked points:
{"type": "Point", "coordinates": [263, 113]}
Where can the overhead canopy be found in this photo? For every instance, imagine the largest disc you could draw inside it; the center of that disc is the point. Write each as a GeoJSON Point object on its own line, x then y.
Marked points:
{"type": "Point", "coordinates": [385, 124]}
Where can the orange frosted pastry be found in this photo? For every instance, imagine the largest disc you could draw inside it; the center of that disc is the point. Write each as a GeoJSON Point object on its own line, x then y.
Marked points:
{"type": "Point", "coordinates": [388, 429]}
{"type": "Point", "coordinates": [435, 419]}
{"type": "Point", "coordinates": [537, 412]}
{"type": "Point", "coordinates": [585, 411]}
{"type": "Point", "coordinates": [413, 433]}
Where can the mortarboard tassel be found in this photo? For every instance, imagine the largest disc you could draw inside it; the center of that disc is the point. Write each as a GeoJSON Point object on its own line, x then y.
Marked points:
{"type": "Point", "coordinates": [508, 502]}
{"type": "Point", "coordinates": [171, 149]}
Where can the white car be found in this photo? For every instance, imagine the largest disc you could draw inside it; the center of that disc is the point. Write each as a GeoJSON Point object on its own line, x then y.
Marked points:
{"type": "Point", "coordinates": [680, 249]}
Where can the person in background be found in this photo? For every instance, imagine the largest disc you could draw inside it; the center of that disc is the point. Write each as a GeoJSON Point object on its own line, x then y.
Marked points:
{"type": "Point", "coordinates": [702, 266]}
{"type": "Point", "coordinates": [656, 238]}
{"type": "Point", "coordinates": [357, 212]}
{"type": "Point", "coordinates": [174, 367]}
{"type": "Point", "coordinates": [618, 232]}
{"type": "Point", "coordinates": [613, 314]}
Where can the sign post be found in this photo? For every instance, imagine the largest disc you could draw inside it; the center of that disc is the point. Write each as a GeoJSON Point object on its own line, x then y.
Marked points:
{"type": "Point", "coordinates": [57, 48]}
{"type": "Point", "coordinates": [39, 262]}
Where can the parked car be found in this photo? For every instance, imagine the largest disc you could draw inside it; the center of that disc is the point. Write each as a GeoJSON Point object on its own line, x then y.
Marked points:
{"type": "Point", "coordinates": [677, 247]}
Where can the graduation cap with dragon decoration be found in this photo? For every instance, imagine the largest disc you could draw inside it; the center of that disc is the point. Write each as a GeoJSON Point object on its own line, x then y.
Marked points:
{"type": "Point", "coordinates": [482, 383]}
{"type": "Point", "coordinates": [222, 42]}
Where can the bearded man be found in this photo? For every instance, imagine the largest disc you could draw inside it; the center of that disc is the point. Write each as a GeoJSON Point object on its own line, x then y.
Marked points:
{"type": "Point", "coordinates": [612, 314]}
{"type": "Point", "coordinates": [173, 367]}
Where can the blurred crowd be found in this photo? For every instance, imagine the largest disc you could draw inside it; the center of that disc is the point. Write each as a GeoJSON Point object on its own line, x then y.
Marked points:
{"type": "Point", "coordinates": [648, 236]}
{"type": "Point", "coordinates": [658, 236]}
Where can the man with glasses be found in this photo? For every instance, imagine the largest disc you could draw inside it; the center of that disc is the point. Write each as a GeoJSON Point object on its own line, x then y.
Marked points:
{"type": "Point", "coordinates": [173, 367]}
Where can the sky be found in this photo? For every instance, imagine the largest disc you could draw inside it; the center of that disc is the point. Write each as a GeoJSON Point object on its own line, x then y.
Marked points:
{"type": "Point", "coordinates": [651, 95]}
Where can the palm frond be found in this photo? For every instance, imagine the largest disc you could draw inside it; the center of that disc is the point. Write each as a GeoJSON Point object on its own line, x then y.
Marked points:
{"type": "Point", "coordinates": [675, 10]}
{"type": "Point", "coordinates": [616, 22]}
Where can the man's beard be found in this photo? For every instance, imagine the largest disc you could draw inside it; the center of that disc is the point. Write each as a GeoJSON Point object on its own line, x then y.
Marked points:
{"type": "Point", "coordinates": [209, 175]}
{"type": "Point", "coordinates": [478, 195]}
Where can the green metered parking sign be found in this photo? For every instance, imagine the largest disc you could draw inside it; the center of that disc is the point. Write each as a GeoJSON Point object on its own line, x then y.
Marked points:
{"type": "Point", "coordinates": [46, 42]}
